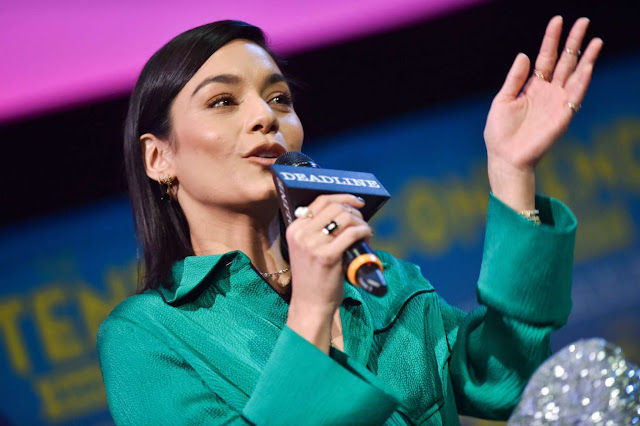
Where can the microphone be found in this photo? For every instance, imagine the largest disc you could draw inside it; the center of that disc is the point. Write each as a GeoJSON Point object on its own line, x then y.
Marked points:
{"type": "Point", "coordinates": [362, 267]}
{"type": "Point", "coordinates": [587, 382]}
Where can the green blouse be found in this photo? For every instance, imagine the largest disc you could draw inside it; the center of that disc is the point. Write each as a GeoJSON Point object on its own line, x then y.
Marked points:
{"type": "Point", "coordinates": [214, 348]}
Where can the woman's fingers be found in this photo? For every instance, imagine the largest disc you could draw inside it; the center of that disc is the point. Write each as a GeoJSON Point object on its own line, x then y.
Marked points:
{"type": "Point", "coordinates": [338, 227]}
{"type": "Point", "coordinates": [335, 225]}
{"type": "Point", "coordinates": [321, 202]}
{"type": "Point", "coordinates": [578, 82]}
{"type": "Point", "coordinates": [548, 55]}
{"type": "Point", "coordinates": [516, 78]}
{"type": "Point", "coordinates": [341, 208]}
{"type": "Point", "coordinates": [349, 236]}
{"type": "Point", "coordinates": [333, 211]}
{"type": "Point", "coordinates": [571, 52]}
{"type": "Point", "coordinates": [331, 222]}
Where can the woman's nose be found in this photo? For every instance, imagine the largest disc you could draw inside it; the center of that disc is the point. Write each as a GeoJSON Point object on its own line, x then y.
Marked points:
{"type": "Point", "coordinates": [262, 118]}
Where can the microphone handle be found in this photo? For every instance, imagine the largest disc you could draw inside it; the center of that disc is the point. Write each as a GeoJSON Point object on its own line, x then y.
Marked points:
{"type": "Point", "coordinates": [364, 269]}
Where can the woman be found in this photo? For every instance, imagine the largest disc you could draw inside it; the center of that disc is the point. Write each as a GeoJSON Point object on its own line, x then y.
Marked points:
{"type": "Point", "coordinates": [226, 331]}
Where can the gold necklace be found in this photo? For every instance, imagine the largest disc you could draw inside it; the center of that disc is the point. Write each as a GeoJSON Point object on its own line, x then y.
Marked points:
{"type": "Point", "coordinates": [274, 274]}
{"type": "Point", "coordinates": [274, 277]}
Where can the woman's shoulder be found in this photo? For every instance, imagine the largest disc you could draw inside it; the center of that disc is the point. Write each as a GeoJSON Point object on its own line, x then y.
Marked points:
{"type": "Point", "coordinates": [138, 310]}
{"type": "Point", "coordinates": [134, 335]}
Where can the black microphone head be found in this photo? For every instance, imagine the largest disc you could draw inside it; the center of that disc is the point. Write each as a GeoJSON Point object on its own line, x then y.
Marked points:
{"type": "Point", "coordinates": [296, 158]}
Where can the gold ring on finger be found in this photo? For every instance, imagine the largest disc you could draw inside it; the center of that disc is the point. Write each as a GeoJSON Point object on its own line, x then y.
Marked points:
{"type": "Point", "coordinates": [330, 228]}
{"type": "Point", "coordinates": [574, 107]}
{"type": "Point", "coordinates": [539, 74]}
{"type": "Point", "coordinates": [573, 52]}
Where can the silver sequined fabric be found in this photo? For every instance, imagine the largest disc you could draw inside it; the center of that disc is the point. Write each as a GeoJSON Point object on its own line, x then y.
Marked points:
{"type": "Point", "coordinates": [586, 383]}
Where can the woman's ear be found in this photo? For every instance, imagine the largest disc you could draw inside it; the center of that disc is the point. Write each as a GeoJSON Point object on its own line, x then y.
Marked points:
{"type": "Point", "coordinates": [158, 157]}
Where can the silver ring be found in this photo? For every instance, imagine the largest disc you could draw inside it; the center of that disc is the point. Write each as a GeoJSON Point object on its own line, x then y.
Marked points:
{"type": "Point", "coordinates": [303, 211]}
{"type": "Point", "coordinates": [330, 228]}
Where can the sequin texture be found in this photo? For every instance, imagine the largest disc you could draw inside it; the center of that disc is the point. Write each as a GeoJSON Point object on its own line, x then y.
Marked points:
{"type": "Point", "coordinates": [586, 383]}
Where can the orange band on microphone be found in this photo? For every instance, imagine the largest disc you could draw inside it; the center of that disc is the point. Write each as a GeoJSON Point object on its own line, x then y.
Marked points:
{"type": "Point", "coordinates": [363, 259]}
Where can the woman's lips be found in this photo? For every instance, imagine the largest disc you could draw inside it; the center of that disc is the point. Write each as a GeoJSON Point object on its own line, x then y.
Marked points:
{"type": "Point", "coordinates": [268, 150]}
{"type": "Point", "coordinates": [263, 161]}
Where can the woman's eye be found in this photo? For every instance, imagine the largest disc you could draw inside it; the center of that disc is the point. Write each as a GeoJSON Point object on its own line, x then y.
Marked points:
{"type": "Point", "coordinates": [224, 102]}
{"type": "Point", "coordinates": [219, 102]}
{"type": "Point", "coordinates": [282, 98]}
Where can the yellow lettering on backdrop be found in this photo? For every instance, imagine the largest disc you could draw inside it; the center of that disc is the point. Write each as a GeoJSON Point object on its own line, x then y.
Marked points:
{"type": "Point", "coordinates": [71, 394]}
{"type": "Point", "coordinates": [466, 210]}
{"type": "Point", "coordinates": [10, 310]}
{"type": "Point", "coordinates": [629, 136]}
{"type": "Point", "coordinates": [609, 230]}
{"type": "Point", "coordinates": [59, 336]}
{"type": "Point", "coordinates": [50, 405]}
{"type": "Point", "coordinates": [606, 158]}
{"type": "Point", "coordinates": [426, 216]}
{"type": "Point", "coordinates": [389, 245]}
{"type": "Point", "coordinates": [594, 184]}
{"type": "Point", "coordinates": [548, 175]}
{"type": "Point", "coordinates": [388, 241]}
{"type": "Point", "coordinates": [583, 178]}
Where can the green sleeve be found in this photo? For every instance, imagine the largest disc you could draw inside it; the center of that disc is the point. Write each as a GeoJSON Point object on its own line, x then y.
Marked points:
{"type": "Point", "coordinates": [149, 383]}
{"type": "Point", "coordinates": [524, 290]}
{"type": "Point", "coordinates": [318, 389]}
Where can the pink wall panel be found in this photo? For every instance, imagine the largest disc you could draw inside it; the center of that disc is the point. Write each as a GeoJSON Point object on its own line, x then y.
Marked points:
{"type": "Point", "coordinates": [60, 53]}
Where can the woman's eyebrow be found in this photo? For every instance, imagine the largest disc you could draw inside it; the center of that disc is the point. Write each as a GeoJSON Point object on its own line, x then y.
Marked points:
{"type": "Point", "coordinates": [222, 78]}
{"type": "Point", "coordinates": [234, 79]}
{"type": "Point", "coordinates": [275, 78]}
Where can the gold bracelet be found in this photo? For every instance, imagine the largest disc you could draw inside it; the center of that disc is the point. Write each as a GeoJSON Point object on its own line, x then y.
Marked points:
{"type": "Point", "coordinates": [531, 215]}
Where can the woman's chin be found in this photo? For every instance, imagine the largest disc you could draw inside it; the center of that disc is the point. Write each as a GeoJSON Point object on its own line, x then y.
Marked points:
{"type": "Point", "coordinates": [265, 196]}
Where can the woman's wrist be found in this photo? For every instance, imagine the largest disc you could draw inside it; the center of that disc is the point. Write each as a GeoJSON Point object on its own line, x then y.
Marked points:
{"type": "Point", "coordinates": [313, 323]}
{"type": "Point", "coordinates": [515, 187]}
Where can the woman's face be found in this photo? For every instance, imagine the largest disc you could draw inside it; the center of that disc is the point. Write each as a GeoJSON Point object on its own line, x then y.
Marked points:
{"type": "Point", "coordinates": [230, 122]}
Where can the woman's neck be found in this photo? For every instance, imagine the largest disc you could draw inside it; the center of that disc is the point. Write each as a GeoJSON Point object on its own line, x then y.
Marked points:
{"type": "Point", "coordinates": [257, 236]}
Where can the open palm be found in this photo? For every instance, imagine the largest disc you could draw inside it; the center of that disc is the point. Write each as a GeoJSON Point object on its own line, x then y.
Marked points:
{"type": "Point", "coordinates": [526, 119]}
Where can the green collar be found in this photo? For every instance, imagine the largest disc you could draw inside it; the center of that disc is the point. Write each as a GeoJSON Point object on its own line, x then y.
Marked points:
{"type": "Point", "coordinates": [187, 275]}
{"type": "Point", "coordinates": [194, 272]}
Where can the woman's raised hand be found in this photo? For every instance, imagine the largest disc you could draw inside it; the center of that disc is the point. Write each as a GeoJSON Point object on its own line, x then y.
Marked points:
{"type": "Point", "coordinates": [524, 123]}
{"type": "Point", "coordinates": [315, 259]}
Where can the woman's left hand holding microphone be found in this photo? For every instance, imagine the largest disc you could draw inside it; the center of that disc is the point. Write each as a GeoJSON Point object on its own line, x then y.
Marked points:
{"type": "Point", "coordinates": [315, 256]}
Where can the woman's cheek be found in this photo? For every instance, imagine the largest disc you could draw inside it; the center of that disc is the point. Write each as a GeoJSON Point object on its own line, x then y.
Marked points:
{"type": "Point", "coordinates": [293, 132]}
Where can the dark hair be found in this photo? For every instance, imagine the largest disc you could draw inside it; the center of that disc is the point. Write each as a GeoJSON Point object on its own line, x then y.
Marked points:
{"type": "Point", "coordinates": [161, 227]}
